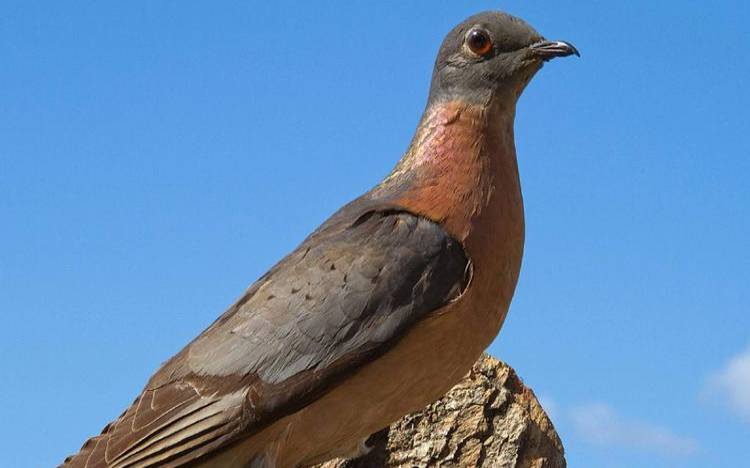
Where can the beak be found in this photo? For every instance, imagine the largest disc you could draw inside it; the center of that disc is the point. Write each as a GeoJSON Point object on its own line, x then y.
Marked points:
{"type": "Point", "coordinates": [547, 50]}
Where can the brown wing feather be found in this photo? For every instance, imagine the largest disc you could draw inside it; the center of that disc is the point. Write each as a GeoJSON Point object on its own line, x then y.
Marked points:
{"type": "Point", "coordinates": [160, 425]}
{"type": "Point", "coordinates": [338, 301]}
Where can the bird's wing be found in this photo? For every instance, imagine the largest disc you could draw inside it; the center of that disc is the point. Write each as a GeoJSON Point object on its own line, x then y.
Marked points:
{"type": "Point", "coordinates": [340, 300]}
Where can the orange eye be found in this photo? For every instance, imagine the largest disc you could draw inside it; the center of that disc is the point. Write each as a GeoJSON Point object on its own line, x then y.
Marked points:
{"type": "Point", "coordinates": [479, 42]}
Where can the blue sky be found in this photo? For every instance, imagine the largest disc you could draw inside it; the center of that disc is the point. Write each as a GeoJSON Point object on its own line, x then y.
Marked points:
{"type": "Point", "coordinates": [155, 159]}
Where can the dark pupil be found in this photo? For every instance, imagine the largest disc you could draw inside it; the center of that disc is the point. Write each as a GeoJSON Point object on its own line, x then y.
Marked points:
{"type": "Point", "coordinates": [477, 40]}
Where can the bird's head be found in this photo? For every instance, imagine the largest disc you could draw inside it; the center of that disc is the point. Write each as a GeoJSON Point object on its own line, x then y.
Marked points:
{"type": "Point", "coordinates": [491, 55]}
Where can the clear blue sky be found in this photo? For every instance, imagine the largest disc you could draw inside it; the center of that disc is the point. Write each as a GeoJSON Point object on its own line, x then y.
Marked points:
{"type": "Point", "coordinates": [156, 159]}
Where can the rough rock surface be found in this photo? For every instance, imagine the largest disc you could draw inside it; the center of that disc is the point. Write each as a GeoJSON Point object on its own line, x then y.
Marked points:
{"type": "Point", "coordinates": [489, 419]}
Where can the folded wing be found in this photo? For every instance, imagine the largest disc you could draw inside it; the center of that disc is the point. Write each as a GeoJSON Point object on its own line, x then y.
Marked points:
{"type": "Point", "coordinates": [340, 300]}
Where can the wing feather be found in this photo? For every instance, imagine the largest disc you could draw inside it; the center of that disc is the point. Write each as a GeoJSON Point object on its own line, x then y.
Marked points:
{"type": "Point", "coordinates": [338, 301]}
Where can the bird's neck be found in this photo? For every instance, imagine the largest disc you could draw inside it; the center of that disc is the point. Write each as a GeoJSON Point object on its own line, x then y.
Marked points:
{"type": "Point", "coordinates": [460, 168]}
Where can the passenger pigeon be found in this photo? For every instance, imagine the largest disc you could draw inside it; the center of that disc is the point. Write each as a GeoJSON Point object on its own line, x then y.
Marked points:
{"type": "Point", "coordinates": [380, 310]}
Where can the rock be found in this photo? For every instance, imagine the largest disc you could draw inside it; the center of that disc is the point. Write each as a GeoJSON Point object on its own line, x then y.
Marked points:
{"type": "Point", "coordinates": [489, 419]}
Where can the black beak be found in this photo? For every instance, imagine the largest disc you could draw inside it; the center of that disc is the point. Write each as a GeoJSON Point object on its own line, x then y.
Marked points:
{"type": "Point", "coordinates": [547, 50]}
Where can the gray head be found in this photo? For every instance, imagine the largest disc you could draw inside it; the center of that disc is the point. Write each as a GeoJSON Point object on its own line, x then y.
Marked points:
{"type": "Point", "coordinates": [491, 54]}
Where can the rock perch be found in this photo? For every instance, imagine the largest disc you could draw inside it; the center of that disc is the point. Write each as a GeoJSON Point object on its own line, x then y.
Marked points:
{"type": "Point", "coordinates": [489, 419]}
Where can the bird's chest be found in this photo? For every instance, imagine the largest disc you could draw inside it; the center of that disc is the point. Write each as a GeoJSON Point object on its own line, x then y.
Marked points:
{"type": "Point", "coordinates": [468, 182]}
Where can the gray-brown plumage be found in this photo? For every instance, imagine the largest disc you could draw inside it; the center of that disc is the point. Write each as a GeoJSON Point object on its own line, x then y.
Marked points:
{"type": "Point", "coordinates": [379, 311]}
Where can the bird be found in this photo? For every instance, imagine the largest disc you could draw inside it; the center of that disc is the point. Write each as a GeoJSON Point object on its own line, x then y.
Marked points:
{"type": "Point", "coordinates": [379, 311]}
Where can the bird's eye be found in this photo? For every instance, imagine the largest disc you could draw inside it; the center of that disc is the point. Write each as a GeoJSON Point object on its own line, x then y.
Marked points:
{"type": "Point", "coordinates": [479, 42]}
